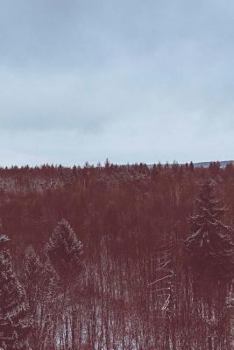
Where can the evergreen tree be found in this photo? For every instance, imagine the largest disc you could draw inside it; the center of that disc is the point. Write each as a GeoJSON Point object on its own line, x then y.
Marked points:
{"type": "Point", "coordinates": [210, 243]}
{"type": "Point", "coordinates": [33, 270]}
{"type": "Point", "coordinates": [40, 285]}
{"type": "Point", "coordinates": [14, 323]}
{"type": "Point", "coordinates": [210, 249]}
{"type": "Point", "coordinates": [65, 252]}
{"type": "Point", "coordinates": [40, 279]}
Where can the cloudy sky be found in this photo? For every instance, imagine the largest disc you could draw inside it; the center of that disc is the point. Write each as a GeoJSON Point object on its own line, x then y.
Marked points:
{"type": "Point", "coordinates": [128, 80]}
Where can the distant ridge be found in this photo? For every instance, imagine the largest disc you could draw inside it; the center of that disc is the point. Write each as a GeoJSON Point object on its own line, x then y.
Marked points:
{"type": "Point", "coordinates": [223, 163]}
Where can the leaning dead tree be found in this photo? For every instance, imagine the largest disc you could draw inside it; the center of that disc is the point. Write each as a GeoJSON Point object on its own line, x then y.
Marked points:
{"type": "Point", "coordinates": [230, 318]}
{"type": "Point", "coordinates": [164, 288]}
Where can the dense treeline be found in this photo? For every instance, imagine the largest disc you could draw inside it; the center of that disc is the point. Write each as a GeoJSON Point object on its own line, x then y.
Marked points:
{"type": "Point", "coordinates": [105, 255]}
{"type": "Point", "coordinates": [120, 201]}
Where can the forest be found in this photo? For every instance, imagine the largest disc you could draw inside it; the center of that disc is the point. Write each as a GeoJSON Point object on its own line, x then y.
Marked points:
{"type": "Point", "coordinates": [117, 257]}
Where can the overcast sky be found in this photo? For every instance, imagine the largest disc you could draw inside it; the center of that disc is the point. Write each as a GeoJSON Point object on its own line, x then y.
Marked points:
{"type": "Point", "coordinates": [128, 80]}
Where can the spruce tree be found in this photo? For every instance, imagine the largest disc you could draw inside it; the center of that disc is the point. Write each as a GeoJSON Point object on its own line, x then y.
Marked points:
{"type": "Point", "coordinates": [65, 251]}
{"type": "Point", "coordinates": [210, 249]}
{"type": "Point", "coordinates": [32, 272]}
{"type": "Point", "coordinates": [14, 322]}
{"type": "Point", "coordinates": [39, 278]}
{"type": "Point", "coordinates": [40, 285]}
{"type": "Point", "coordinates": [210, 243]}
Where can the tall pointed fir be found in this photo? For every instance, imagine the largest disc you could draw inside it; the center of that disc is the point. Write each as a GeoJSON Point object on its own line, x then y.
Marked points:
{"type": "Point", "coordinates": [210, 244]}
{"type": "Point", "coordinates": [211, 249]}
{"type": "Point", "coordinates": [32, 272]}
{"type": "Point", "coordinates": [40, 285]}
{"type": "Point", "coordinates": [14, 322]}
{"type": "Point", "coordinates": [39, 278]}
{"type": "Point", "coordinates": [65, 252]}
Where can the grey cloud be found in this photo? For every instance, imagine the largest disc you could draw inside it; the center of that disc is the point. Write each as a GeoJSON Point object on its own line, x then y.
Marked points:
{"type": "Point", "coordinates": [129, 80]}
{"type": "Point", "coordinates": [49, 102]}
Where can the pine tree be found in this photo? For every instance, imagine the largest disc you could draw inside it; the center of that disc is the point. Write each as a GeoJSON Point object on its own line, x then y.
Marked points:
{"type": "Point", "coordinates": [210, 249]}
{"type": "Point", "coordinates": [14, 323]}
{"type": "Point", "coordinates": [210, 243]}
{"type": "Point", "coordinates": [65, 252]}
{"type": "Point", "coordinates": [39, 278]}
{"type": "Point", "coordinates": [33, 270]}
{"type": "Point", "coordinates": [40, 285]}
